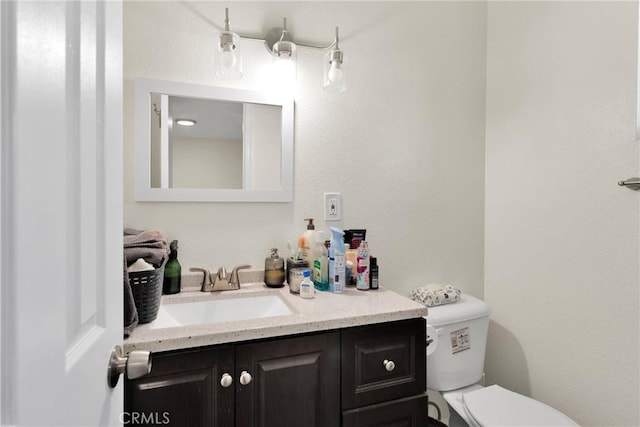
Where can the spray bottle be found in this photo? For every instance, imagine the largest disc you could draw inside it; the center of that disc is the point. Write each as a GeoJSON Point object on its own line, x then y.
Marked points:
{"type": "Point", "coordinates": [337, 261]}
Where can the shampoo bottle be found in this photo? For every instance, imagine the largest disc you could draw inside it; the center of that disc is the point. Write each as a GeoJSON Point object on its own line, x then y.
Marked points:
{"type": "Point", "coordinates": [336, 261]}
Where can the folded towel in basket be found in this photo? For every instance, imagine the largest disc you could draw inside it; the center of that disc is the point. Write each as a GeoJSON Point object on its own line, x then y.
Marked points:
{"type": "Point", "coordinates": [150, 245]}
{"type": "Point", "coordinates": [435, 294]}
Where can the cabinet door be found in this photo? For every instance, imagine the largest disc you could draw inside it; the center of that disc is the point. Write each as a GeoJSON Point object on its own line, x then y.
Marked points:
{"type": "Point", "coordinates": [183, 390]}
{"type": "Point", "coordinates": [407, 412]}
{"type": "Point", "coordinates": [295, 382]}
{"type": "Point", "coordinates": [383, 362]}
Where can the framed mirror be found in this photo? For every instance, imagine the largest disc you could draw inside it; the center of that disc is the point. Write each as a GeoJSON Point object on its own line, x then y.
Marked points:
{"type": "Point", "coordinates": [197, 143]}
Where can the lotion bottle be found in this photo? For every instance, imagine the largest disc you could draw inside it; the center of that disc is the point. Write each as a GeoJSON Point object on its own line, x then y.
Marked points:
{"type": "Point", "coordinates": [307, 241]}
{"type": "Point", "coordinates": [306, 286]}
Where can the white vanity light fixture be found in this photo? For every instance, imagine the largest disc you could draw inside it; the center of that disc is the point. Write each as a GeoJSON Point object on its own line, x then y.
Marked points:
{"type": "Point", "coordinates": [334, 80]}
{"type": "Point", "coordinates": [228, 58]}
{"type": "Point", "coordinates": [279, 43]}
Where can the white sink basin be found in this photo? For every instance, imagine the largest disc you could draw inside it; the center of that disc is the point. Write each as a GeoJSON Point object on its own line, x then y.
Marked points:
{"type": "Point", "coordinates": [223, 310]}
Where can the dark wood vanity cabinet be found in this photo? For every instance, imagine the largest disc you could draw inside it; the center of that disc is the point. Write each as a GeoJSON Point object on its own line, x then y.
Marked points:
{"type": "Point", "coordinates": [274, 383]}
{"type": "Point", "coordinates": [384, 374]}
{"type": "Point", "coordinates": [331, 379]}
{"type": "Point", "coordinates": [296, 382]}
{"type": "Point", "coordinates": [183, 390]}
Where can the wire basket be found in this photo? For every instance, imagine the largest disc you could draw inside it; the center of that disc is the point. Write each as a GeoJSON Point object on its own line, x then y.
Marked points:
{"type": "Point", "coordinates": [146, 287]}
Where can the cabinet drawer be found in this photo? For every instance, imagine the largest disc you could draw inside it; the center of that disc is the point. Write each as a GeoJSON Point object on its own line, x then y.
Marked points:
{"type": "Point", "coordinates": [365, 378]}
{"type": "Point", "coordinates": [407, 412]}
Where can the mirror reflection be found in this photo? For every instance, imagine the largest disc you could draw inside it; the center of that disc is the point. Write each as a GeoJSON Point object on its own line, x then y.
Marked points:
{"type": "Point", "coordinates": [205, 143]}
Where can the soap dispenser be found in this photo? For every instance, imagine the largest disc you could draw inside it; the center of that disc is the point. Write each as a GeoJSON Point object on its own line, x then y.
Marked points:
{"type": "Point", "coordinates": [172, 271]}
{"type": "Point", "coordinates": [274, 270]}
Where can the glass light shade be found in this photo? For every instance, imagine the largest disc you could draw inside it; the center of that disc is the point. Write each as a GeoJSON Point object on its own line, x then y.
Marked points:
{"type": "Point", "coordinates": [284, 70]}
{"type": "Point", "coordinates": [334, 78]}
{"type": "Point", "coordinates": [228, 57]}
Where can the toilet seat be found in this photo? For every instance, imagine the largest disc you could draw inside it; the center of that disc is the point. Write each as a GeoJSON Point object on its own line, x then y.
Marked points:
{"type": "Point", "coordinates": [496, 406]}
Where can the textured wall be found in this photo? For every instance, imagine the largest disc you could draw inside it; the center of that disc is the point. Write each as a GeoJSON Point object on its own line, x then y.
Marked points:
{"type": "Point", "coordinates": [561, 236]}
{"type": "Point", "coordinates": [404, 145]}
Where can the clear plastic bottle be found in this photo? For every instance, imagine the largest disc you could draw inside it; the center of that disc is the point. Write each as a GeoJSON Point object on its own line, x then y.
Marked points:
{"type": "Point", "coordinates": [306, 286]}
{"type": "Point", "coordinates": [320, 263]}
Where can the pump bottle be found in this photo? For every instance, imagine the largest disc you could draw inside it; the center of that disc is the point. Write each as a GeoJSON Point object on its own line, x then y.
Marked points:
{"type": "Point", "coordinates": [306, 242]}
{"type": "Point", "coordinates": [172, 271]}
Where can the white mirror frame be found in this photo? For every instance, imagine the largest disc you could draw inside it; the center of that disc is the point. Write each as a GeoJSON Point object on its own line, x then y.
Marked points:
{"type": "Point", "coordinates": [143, 191]}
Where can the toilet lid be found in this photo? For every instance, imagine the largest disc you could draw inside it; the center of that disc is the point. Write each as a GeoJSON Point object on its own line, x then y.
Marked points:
{"type": "Point", "coordinates": [495, 406]}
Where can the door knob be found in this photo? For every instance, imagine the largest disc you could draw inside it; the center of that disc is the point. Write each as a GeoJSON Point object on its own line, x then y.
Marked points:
{"type": "Point", "coordinates": [631, 183]}
{"type": "Point", "coordinates": [245, 378]}
{"type": "Point", "coordinates": [136, 365]}
{"type": "Point", "coordinates": [226, 380]}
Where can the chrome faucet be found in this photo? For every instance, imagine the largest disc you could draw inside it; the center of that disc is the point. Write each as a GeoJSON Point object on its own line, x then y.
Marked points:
{"type": "Point", "coordinates": [221, 281]}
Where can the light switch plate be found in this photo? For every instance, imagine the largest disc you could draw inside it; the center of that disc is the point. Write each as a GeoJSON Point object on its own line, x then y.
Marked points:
{"type": "Point", "coordinates": [332, 207]}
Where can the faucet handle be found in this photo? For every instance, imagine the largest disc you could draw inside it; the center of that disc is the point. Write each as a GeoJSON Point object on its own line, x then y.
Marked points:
{"type": "Point", "coordinates": [235, 280]}
{"type": "Point", "coordinates": [207, 286]}
{"type": "Point", "coordinates": [207, 275]}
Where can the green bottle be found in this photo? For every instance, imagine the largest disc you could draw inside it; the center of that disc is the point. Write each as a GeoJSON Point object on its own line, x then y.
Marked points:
{"type": "Point", "coordinates": [172, 271]}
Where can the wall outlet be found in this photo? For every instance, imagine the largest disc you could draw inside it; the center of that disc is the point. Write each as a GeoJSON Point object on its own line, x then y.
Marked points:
{"type": "Point", "coordinates": [332, 207]}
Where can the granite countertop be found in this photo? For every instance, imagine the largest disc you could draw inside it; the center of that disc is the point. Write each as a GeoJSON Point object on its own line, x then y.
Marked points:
{"type": "Point", "coordinates": [324, 312]}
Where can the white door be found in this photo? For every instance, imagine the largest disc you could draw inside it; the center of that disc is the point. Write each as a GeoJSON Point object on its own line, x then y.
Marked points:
{"type": "Point", "coordinates": [61, 211]}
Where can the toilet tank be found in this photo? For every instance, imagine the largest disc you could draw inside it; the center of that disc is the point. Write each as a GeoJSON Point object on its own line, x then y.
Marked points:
{"type": "Point", "coordinates": [455, 358]}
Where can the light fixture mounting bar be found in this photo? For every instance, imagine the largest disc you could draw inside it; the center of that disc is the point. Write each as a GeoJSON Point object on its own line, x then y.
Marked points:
{"type": "Point", "coordinates": [277, 34]}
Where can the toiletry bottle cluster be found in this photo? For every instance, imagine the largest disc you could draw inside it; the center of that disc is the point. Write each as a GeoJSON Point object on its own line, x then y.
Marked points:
{"type": "Point", "coordinates": [333, 264]}
{"type": "Point", "coordinates": [362, 268]}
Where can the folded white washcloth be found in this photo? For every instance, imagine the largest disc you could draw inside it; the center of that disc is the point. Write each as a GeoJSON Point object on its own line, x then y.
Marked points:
{"type": "Point", "coordinates": [435, 294]}
{"type": "Point", "coordinates": [140, 265]}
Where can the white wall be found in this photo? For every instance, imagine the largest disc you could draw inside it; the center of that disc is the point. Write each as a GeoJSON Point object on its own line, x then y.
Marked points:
{"type": "Point", "coordinates": [561, 237]}
{"type": "Point", "coordinates": [404, 145]}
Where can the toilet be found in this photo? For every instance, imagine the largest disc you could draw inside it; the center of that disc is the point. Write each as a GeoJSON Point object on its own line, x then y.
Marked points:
{"type": "Point", "coordinates": [457, 336]}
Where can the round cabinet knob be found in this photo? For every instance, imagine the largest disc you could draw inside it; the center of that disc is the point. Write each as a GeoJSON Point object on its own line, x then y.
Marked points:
{"type": "Point", "coordinates": [226, 380]}
{"type": "Point", "coordinates": [389, 365]}
{"type": "Point", "coordinates": [245, 378]}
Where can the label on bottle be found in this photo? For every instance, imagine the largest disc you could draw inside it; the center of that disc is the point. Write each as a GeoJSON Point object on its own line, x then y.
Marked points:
{"type": "Point", "coordinates": [306, 289]}
{"type": "Point", "coordinates": [339, 272]}
{"type": "Point", "coordinates": [317, 271]}
{"type": "Point", "coordinates": [374, 281]}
